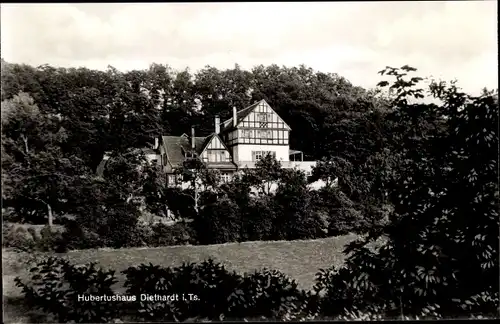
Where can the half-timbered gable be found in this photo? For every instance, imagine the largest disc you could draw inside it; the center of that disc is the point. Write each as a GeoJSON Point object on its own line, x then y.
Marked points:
{"type": "Point", "coordinates": [256, 131]}
{"type": "Point", "coordinates": [215, 151]}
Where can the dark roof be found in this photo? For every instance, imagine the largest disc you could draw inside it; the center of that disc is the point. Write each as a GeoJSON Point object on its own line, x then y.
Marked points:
{"type": "Point", "coordinates": [102, 164]}
{"type": "Point", "coordinates": [240, 115]}
{"type": "Point", "coordinates": [175, 146]}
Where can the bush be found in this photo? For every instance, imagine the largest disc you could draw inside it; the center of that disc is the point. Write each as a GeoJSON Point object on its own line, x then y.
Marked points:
{"type": "Point", "coordinates": [50, 240]}
{"type": "Point", "coordinates": [219, 222]}
{"type": "Point", "coordinates": [56, 285]}
{"type": "Point", "coordinates": [27, 239]}
{"type": "Point", "coordinates": [140, 236]}
{"type": "Point", "coordinates": [210, 282]}
{"type": "Point", "coordinates": [18, 237]}
{"type": "Point", "coordinates": [75, 237]}
{"type": "Point", "coordinates": [180, 233]}
{"type": "Point", "coordinates": [220, 293]}
{"type": "Point", "coordinates": [269, 294]}
{"type": "Point", "coordinates": [258, 220]}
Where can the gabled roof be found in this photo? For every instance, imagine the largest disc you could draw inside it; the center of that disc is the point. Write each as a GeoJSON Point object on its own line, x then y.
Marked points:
{"type": "Point", "coordinates": [175, 146]}
{"type": "Point", "coordinates": [104, 161]}
{"type": "Point", "coordinates": [240, 115]}
{"type": "Point", "coordinates": [209, 139]}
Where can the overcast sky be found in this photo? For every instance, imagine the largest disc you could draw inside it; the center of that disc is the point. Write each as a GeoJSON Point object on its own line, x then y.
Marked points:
{"type": "Point", "coordinates": [455, 39]}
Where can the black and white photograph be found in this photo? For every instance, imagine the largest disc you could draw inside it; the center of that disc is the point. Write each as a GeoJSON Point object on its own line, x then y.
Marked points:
{"type": "Point", "coordinates": [250, 161]}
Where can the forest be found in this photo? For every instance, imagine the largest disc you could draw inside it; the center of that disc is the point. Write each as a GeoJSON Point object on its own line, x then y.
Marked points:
{"type": "Point", "coordinates": [423, 175]}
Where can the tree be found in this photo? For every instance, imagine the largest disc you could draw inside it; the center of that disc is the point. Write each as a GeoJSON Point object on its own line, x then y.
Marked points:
{"type": "Point", "coordinates": [219, 222]}
{"type": "Point", "coordinates": [38, 175]}
{"type": "Point", "coordinates": [297, 218]}
{"type": "Point", "coordinates": [200, 178]}
{"type": "Point", "coordinates": [441, 258]}
{"type": "Point", "coordinates": [267, 173]}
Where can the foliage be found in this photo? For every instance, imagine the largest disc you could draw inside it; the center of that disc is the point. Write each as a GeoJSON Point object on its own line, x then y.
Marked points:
{"type": "Point", "coordinates": [77, 237]}
{"type": "Point", "coordinates": [266, 173]}
{"type": "Point", "coordinates": [421, 174]}
{"type": "Point", "coordinates": [18, 237]}
{"type": "Point", "coordinates": [179, 233]}
{"type": "Point", "coordinates": [268, 294]}
{"type": "Point", "coordinates": [28, 240]}
{"type": "Point", "coordinates": [38, 173]}
{"type": "Point", "coordinates": [297, 217]}
{"type": "Point", "coordinates": [210, 282]}
{"type": "Point", "coordinates": [56, 285]}
{"type": "Point", "coordinates": [219, 222]}
{"type": "Point", "coordinates": [259, 219]}
{"type": "Point", "coordinates": [442, 255]}
{"type": "Point", "coordinates": [220, 293]}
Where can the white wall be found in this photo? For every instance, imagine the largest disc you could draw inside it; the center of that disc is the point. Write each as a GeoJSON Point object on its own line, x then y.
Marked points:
{"type": "Point", "coordinates": [151, 157]}
{"type": "Point", "coordinates": [243, 152]}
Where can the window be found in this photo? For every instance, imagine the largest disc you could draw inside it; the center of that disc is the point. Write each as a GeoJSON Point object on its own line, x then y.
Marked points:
{"type": "Point", "coordinates": [216, 156]}
{"type": "Point", "coordinates": [225, 177]}
{"type": "Point", "coordinates": [258, 155]}
{"type": "Point", "coordinates": [222, 156]}
{"type": "Point", "coordinates": [263, 117]}
{"type": "Point", "coordinates": [172, 179]}
{"type": "Point", "coordinates": [247, 133]}
{"type": "Point", "coordinates": [154, 161]}
{"type": "Point", "coordinates": [264, 134]}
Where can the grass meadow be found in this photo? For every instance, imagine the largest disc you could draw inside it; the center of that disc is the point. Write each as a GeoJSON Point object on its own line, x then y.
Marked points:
{"type": "Point", "coordinates": [299, 259]}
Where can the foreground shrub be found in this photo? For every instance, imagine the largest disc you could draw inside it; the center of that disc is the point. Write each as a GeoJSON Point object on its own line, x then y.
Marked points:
{"type": "Point", "coordinates": [216, 293]}
{"type": "Point", "coordinates": [441, 256]}
{"type": "Point", "coordinates": [269, 294]}
{"type": "Point", "coordinates": [203, 290]}
{"type": "Point", "coordinates": [56, 285]}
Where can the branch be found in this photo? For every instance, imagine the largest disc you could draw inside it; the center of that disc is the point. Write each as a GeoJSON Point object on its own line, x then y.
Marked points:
{"type": "Point", "coordinates": [36, 199]}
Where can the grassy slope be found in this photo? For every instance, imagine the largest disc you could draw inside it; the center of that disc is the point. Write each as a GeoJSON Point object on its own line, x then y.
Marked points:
{"type": "Point", "coordinates": [298, 259]}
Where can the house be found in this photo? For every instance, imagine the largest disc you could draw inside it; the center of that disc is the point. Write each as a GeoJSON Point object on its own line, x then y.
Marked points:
{"type": "Point", "coordinates": [236, 144]}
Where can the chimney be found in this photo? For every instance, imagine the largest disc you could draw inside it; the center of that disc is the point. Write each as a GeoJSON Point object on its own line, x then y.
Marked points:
{"type": "Point", "coordinates": [192, 138]}
{"type": "Point", "coordinates": [156, 144]}
{"type": "Point", "coordinates": [234, 116]}
{"type": "Point", "coordinates": [217, 124]}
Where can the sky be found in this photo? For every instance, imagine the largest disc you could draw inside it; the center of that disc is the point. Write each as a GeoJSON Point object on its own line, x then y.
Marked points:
{"type": "Point", "coordinates": [446, 40]}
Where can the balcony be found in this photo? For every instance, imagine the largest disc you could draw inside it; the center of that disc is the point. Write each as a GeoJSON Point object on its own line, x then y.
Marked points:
{"type": "Point", "coordinates": [305, 166]}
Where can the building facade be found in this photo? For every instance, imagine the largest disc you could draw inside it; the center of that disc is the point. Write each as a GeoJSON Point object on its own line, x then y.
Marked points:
{"type": "Point", "coordinates": [235, 144]}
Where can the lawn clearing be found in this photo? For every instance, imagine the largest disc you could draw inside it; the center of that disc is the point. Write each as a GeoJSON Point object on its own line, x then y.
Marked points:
{"type": "Point", "coordinates": [299, 259]}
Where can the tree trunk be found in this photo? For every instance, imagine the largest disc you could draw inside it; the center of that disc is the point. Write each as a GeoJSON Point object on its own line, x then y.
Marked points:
{"type": "Point", "coordinates": [50, 215]}
{"type": "Point", "coordinates": [195, 196]}
{"type": "Point", "coordinates": [25, 140]}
